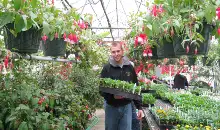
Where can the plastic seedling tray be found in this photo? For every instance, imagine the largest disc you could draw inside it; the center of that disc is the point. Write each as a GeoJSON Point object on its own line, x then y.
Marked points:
{"type": "Point", "coordinates": [121, 93]}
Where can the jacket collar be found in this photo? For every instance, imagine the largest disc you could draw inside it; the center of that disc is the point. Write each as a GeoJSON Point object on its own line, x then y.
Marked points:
{"type": "Point", "coordinates": [125, 61]}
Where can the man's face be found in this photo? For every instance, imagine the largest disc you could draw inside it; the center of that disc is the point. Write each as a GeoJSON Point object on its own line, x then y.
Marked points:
{"type": "Point", "coordinates": [117, 53]}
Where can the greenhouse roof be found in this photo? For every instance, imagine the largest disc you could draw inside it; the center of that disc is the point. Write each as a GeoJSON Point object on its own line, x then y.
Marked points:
{"type": "Point", "coordinates": [108, 15]}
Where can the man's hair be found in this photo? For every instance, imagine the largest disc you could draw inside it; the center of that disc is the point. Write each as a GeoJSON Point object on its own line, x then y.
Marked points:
{"type": "Point", "coordinates": [117, 44]}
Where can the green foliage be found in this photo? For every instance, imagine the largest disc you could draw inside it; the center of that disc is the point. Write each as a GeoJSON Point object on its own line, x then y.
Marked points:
{"type": "Point", "coordinates": [148, 98]}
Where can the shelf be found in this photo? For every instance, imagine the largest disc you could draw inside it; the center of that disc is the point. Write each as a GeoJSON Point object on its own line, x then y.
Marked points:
{"type": "Point", "coordinates": [150, 120]}
{"type": "Point", "coordinates": [149, 117]}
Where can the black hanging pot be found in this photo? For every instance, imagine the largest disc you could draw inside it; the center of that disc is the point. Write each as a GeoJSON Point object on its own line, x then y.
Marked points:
{"type": "Point", "coordinates": [25, 42]}
{"type": "Point", "coordinates": [164, 49]}
{"type": "Point", "coordinates": [56, 47]}
{"type": "Point", "coordinates": [203, 47]}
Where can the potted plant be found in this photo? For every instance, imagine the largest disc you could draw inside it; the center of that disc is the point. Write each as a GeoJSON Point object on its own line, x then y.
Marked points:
{"type": "Point", "coordinates": [187, 26]}
{"type": "Point", "coordinates": [22, 22]}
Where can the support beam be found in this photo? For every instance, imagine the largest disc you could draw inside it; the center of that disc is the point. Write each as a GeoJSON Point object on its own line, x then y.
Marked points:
{"type": "Point", "coordinates": [31, 57]}
{"type": "Point", "coordinates": [109, 25]}
{"type": "Point", "coordinates": [109, 28]}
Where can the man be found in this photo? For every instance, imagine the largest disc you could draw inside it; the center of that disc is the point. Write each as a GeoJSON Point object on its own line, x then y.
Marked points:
{"type": "Point", "coordinates": [118, 110]}
{"type": "Point", "coordinates": [180, 81]}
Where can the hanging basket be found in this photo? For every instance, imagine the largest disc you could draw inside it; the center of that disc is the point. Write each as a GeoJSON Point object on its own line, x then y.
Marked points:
{"type": "Point", "coordinates": [164, 50]}
{"type": "Point", "coordinates": [203, 47]}
{"type": "Point", "coordinates": [25, 42]}
{"type": "Point", "coordinates": [56, 47]}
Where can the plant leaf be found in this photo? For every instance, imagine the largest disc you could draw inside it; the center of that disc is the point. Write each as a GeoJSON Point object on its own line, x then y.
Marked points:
{"type": "Point", "coordinates": [34, 3]}
{"type": "Point", "coordinates": [46, 28]}
{"type": "Point", "coordinates": [18, 4]}
{"type": "Point", "coordinates": [5, 3]}
{"type": "Point", "coordinates": [23, 126]}
{"type": "Point", "coordinates": [5, 18]}
{"type": "Point", "coordinates": [19, 23]}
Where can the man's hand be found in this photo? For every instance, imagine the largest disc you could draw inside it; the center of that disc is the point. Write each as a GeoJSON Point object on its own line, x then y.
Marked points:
{"type": "Point", "coordinates": [118, 97]}
{"type": "Point", "coordinates": [140, 114]}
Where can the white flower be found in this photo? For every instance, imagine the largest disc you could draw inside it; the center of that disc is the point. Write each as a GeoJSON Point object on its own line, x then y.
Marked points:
{"type": "Point", "coordinates": [95, 67]}
{"type": "Point", "coordinates": [71, 57]}
{"type": "Point", "coordinates": [150, 54]}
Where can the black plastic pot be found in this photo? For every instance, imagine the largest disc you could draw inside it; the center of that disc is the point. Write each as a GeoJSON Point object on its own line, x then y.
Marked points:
{"type": "Point", "coordinates": [25, 42]}
{"type": "Point", "coordinates": [163, 50]}
{"type": "Point", "coordinates": [203, 47]}
{"type": "Point", "coordinates": [56, 47]}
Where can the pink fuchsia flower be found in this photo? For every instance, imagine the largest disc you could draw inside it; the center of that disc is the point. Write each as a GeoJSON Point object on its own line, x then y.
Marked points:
{"type": "Point", "coordinates": [187, 49]}
{"type": "Point", "coordinates": [141, 38]}
{"type": "Point", "coordinates": [218, 31]}
{"type": "Point", "coordinates": [161, 10]}
{"type": "Point", "coordinates": [64, 36]}
{"type": "Point", "coordinates": [147, 51]}
{"type": "Point", "coordinates": [44, 38]}
{"type": "Point", "coordinates": [156, 11]}
{"type": "Point", "coordinates": [56, 35]}
{"type": "Point", "coordinates": [218, 13]}
{"type": "Point", "coordinates": [153, 77]}
{"type": "Point", "coordinates": [72, 39]}
{"type": "Point", "coordinates": [196, 51]}
{"type": "Point", "coordinates": [6, 61]}
{"type": "Point", "coordinates": [82, 24]}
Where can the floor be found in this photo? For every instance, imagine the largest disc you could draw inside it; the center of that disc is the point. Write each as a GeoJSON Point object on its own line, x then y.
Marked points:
{"type": "Point", "coordinates": [100, 113]}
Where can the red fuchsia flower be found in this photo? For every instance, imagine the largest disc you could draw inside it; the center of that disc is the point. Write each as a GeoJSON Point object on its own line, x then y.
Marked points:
{"type": "Point", "coordinates": [150, 65]}
{"type": "Point", "coordinates": [218, 13]}
{"type": "Point", "coordinates": [161, 10]}
{"type": "Point", "coordinates": [72, 38]}
{"type": "Point", "coordinates": [141, 38]}
{"type": "Point", "coordinates": [218, 31]}
{"type": "Point", "coordinates": [145, 53]}
{"type": "Point", "coordinates": [6, 61]}
{"type": "Point", "coordinates": [139, 68]}
{"type": "Point", "coordinates": [82, 24]}
{"type": "Point", "coordinates": [44, 38]}
{"type": "Point", "coordinates": [64, 36]}
{"type": "Point", "coordinates": [56, 35]}
{"type": "Point", "coordinates": [87, 107]}
{"type": "Point", "coordinates": [41, 100]}
{"type": "Point", "coordinates": [187, 49]}
{"type": "Point", "coordinates": [154, 11]}
{"type": "Point", "coordinates": [196, 51]}
{"type": "Point", "coordinates": [153, 77]}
